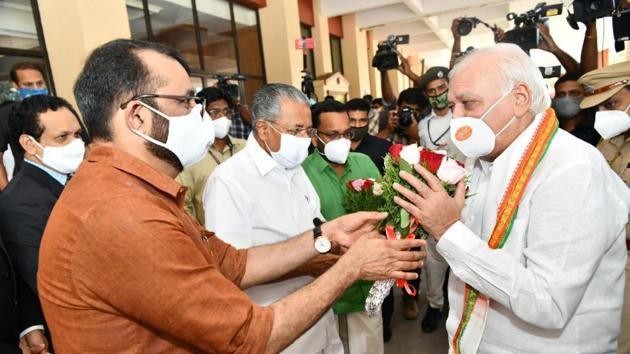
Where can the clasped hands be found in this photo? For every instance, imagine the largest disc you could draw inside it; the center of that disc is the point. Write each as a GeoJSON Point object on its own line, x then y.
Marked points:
{"type": "Point", "coordinates": [430, 204]}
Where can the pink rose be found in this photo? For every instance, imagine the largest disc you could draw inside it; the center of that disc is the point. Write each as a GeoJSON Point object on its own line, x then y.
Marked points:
{"type": "Point", "coordinates": [357, 184]}
{"type": "Point", "coordinates": [450, 171]}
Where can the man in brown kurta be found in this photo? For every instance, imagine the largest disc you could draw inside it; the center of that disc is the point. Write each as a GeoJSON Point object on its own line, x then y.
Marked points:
{"type": "Point", "coordinates": [124, 269]}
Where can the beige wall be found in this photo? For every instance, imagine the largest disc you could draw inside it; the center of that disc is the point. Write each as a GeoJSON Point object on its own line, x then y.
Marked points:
{"type": "Point", "coordinates": [375, 75]}
{"type": "Point", "coordinates": [72, 29]}
{"type": "Point", "coordinates": [321, 37]}
{"type": "Point", "coordinates": [280, 27]}
{"type": "Point", "coordinates": [355, 57]}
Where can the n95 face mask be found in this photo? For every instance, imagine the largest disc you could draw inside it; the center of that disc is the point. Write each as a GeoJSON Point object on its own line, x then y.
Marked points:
{"type": "Point", "coordinates": [189, 136]}
{"type": "Point", "coordinates": [609, 124]}
{"type": "Point", "coordinates": [472, 136]}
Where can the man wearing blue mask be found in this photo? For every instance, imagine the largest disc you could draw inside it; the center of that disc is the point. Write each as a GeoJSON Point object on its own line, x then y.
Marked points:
{"type": "Point", "coordinates": [28, 79]}
{"type": "Point", "coordinates": [608, 89]}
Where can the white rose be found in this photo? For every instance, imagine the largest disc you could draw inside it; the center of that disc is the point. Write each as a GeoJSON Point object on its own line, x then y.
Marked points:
{"type": "Point", "coordinates": [411, 154]}
{"type": "Point", "coordinates": [377, 189]}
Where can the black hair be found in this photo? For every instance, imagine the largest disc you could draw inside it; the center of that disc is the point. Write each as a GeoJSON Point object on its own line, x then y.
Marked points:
{"type": "Point", "coordinates": [24, 65]}
{"type": "Point", "coordinates": [213, 94]}
{"type": "Point", "coordinates": [570, 76]}
{"type": "Point", "coordinates": [329, 98]}
{"type": "Point", "coordinates": [326, 106]}
{"type": "Point", "coordinates": [413, 96]}
{"type": "Point", "coordinates": [25, 117]}
{"type": "Point", "coordinates": [358, 104]}
{"type": "Point", "coordinates": [368, 98]}
{"type": "Point", "coordinates": [378, 101]}
{"type": "Point", "coordinates": [112, 74]}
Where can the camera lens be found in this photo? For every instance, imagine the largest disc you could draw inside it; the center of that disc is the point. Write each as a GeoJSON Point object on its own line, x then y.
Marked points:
{"type": "Point", "coordinates": [405, 117]}
{"type": "Point", "coordinates": [465, 26]}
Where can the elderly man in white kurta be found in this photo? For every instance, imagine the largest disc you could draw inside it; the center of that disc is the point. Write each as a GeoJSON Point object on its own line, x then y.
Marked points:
{"type": "Point", "coordinates": [537, 254]}
{"type": "Point", "coordinates": [267, 197]}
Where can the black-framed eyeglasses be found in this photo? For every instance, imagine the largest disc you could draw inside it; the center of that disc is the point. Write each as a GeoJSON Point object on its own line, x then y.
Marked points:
{"type": "Point", "coordinates": [217, 112]}
{"type": "Point", "coordinates": [181, 99]}
{"type": "Point", "coordinates": [348, 134]}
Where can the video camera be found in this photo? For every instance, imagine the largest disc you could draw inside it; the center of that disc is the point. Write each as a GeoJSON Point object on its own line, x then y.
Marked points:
{"type": "Point", "coordinates": [588, 10]}
{"type": "Point", "coordinates": [525, 34]}
{"type": "Point", "coordinates": [466, 25]}
{"type": "Point", "coordinates": [223, 84]}
{"type": "Point", "coordinates": [386, 57]}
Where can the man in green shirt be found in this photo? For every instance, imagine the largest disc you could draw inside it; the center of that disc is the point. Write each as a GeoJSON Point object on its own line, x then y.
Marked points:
{"type": "Point", "coordinates": [329, 167]}
{"type": "Point", "coordinates": [219, 107]}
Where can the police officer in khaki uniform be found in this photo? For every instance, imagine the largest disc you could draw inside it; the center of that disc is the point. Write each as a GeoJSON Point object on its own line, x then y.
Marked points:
{"type": "Point", "coordinates": [608, 88]}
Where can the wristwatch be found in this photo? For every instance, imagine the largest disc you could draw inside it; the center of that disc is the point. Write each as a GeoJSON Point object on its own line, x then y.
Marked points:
{"type": "Point", "coordinates": [322, 243]}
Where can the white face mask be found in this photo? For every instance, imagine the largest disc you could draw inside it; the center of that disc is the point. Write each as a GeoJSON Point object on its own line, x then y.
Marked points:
{"type": "Point", "coordinates": [609, 124]}
{"type": "Point", "coordinates": [472, 136]}
{"type": "Point", "coordinates": [63, 159]}
{"type": "Point", "coordinates": [221, 127]}
{"type": "Point", "coordinates": [293, 150]}
{"type": "Point", "coordinates": [189, 136]}
{"type": "Point", "coordinates": [337, 151]}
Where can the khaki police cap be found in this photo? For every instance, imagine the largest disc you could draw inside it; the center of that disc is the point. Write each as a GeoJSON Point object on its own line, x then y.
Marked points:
{"type": "Point", "coordinates": [602, 84]}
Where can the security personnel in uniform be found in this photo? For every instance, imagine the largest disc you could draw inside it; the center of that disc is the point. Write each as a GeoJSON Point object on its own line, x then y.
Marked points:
{"type": "Point", "coordinates": [608, 88]}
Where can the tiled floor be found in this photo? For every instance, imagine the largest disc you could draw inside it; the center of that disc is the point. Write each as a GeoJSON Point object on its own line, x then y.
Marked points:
{"type": "Point", "coordinates": [408, 337]}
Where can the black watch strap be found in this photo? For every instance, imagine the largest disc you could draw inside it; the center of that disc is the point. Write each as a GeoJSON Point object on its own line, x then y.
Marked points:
{"type": "Point", "coordinates": [317, 231]}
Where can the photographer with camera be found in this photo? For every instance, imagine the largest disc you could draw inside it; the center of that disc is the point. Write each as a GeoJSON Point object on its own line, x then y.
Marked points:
{"type": "Point", "coordinates": [399, 123]}
{"type": "Point", "coordinates": [462, 26]}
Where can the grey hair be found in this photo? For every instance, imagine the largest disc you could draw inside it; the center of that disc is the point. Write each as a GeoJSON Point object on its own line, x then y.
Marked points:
{"type": "Point", "coordinates": [266, 103]}
{"type": "Point", "coordinates": [512, 66]}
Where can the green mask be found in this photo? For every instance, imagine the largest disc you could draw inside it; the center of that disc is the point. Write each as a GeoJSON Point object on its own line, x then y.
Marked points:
{"type": "Point", "coordinates": [440, 101]}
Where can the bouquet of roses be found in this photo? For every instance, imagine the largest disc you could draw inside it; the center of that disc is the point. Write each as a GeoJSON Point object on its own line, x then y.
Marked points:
{"type": "Point", "coordinates": [364, 194]}
{"type": "Point", "coordinates": [399, 224]}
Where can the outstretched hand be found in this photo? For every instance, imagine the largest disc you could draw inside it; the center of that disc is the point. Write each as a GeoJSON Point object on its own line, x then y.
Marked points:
{"type": "Point", "coordinates": [430, 204]}
{"type": "Point", "coordinates": [345, 230]}
{"type": "Point", "coordinates": [376, 258]}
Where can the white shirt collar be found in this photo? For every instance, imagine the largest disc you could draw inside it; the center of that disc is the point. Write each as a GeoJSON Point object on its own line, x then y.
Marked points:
{"type": "Point", "coordinates": [263, 161]}
{"type": "Point", "coordinates": [434, 115]}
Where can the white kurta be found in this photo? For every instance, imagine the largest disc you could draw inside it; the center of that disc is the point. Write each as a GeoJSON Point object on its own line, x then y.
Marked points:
{"type": "Point", "coordinates": [251, 201]}
{"type": "Point", "coordinates": [557, 284]}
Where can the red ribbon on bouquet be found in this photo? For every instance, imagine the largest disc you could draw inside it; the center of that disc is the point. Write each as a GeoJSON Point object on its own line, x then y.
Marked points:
{"type": "Point", "coordinates": [391, 235]}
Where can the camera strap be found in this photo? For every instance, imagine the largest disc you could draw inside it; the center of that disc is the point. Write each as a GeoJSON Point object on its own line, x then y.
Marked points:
{"type": "Point", "coordinates": [435, 142]}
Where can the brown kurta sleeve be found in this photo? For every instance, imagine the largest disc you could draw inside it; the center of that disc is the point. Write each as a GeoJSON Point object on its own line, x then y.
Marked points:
{"type": "Point", "coordinates": [232, 262]}
{"type": "Point", "coordinates": [139, 260]}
